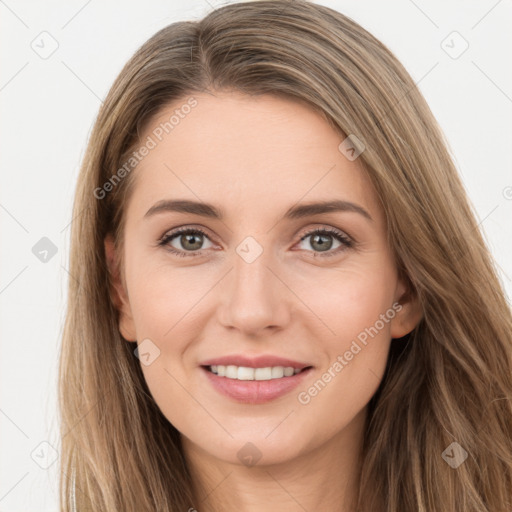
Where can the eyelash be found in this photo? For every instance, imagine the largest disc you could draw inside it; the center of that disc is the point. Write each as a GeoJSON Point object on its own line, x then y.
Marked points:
{"type": "Point", "coordinates": [346, 242]}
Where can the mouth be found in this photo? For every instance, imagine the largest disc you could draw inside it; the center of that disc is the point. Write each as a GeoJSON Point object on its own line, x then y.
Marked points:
{"type": "Point", "coordinates": [248, 385]}
{"type": "Point", "coordinates": [246, 373]}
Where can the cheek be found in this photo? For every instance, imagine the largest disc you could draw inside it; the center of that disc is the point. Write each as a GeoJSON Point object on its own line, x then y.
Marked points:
{"type": "Point", "coordinates": [348, 300]}
{"type": "Point", "coordinates": [356, 305]}
{"type": "Point", "coordinates": [163, 309]}
{"type": "Point", "coordinates": [164, 299]}
{"type": "Point", "coordinates": [167, 310]}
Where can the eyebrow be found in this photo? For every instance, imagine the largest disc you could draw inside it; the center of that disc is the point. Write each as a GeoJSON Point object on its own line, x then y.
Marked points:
{"type": "Point", "coordinates": [293, 213]}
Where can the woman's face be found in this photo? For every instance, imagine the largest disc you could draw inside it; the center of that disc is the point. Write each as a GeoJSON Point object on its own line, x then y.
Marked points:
{"type": "Point", "coordinates": [257, 281]}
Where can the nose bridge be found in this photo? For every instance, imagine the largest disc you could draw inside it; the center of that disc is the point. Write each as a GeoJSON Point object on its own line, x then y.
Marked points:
{"type": "Point", "coordinates": [255, 296]}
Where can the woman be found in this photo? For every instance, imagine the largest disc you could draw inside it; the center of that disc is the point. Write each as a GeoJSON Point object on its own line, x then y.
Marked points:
{"type": "Point", "coordinates": [283, 297]}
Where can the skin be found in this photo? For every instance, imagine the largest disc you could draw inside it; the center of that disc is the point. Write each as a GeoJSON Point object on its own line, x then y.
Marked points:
{"type": "Point", "coordinates": [255, 157]}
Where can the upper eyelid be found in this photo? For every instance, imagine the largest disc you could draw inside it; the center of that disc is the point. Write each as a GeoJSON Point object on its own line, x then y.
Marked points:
{"type": "Point", "coordinates": [184, 229]}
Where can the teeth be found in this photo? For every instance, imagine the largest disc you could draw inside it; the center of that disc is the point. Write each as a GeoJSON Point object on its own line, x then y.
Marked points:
{"type": "Point", "coordinates": [245, 373]}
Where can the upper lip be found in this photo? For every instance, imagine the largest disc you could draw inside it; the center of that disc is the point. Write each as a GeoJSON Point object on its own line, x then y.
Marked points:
{"type": "Point", "coordinates": [262, 361]}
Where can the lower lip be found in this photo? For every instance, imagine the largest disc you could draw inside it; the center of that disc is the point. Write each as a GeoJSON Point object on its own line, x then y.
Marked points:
{"type": "Point", "coordinates": [255, 391]}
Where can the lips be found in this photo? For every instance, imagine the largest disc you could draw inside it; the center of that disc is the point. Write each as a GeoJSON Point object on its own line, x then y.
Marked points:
{"type": "Point", "coordinates": [261, 361]}
{"type": "Point", "coordinates": [255, 391]}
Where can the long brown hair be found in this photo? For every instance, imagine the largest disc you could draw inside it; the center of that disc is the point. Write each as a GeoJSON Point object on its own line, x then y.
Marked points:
{"type": "Point", "coordinates": [448, 381]}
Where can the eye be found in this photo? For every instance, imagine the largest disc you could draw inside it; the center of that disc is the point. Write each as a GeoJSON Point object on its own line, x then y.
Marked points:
{"type": "Point", "coordinates": [320, 239]}
{"type": "Point", "coordinates": [189, 239]}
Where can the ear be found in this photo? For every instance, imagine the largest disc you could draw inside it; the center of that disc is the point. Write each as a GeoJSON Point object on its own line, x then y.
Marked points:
{"type": "Point", "coordinates": [118, 292]}
{"type": "Point", "coordinates": [410, 313]}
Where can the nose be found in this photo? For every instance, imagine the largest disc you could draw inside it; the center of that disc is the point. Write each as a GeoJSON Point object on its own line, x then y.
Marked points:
{"type": "Point", "coordinates": [254, 297]}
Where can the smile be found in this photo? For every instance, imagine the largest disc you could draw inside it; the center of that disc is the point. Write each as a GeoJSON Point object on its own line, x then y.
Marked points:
{"type": "Point", "coordinates": [246, 373]}
{"type": "Point", "coordinates": [254, 385]}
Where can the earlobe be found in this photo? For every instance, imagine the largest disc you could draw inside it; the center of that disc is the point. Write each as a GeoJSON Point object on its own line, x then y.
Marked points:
{"type": "Point", "coordinates": [118, 293]}
{"type": "Point", "coordinates": [409, 315]}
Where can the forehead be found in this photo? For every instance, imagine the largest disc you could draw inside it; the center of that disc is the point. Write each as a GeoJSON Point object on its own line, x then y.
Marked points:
{"type": "Point", "coordinates": [247, 151]}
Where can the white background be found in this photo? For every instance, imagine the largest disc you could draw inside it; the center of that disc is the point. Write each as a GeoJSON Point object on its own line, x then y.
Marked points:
{"type": "Point", "coordinates": [48, 107]}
